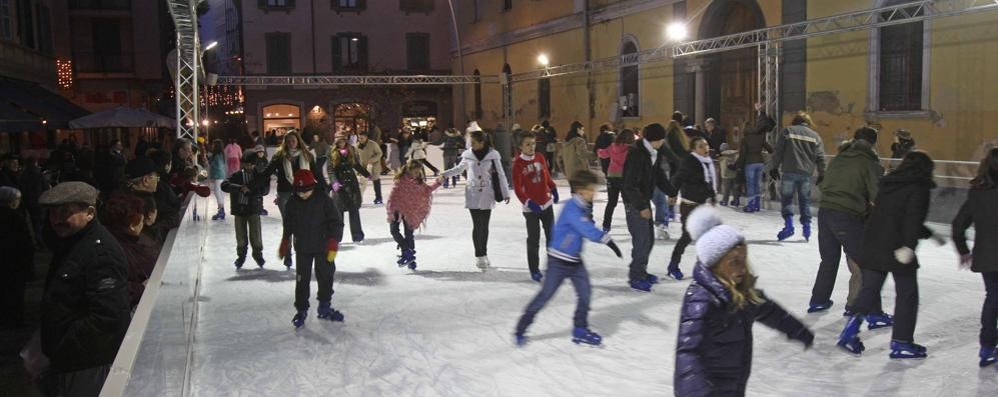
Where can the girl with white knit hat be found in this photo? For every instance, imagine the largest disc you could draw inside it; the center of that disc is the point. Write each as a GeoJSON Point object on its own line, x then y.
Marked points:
{"type": "Point", "coordinates": [714, 347]}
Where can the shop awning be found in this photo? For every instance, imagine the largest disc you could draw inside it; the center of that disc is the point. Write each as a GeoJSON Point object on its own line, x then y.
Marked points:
{"type": "Point", "coordinates": [37, 102]}
{"type": "Point", "coordinates": [13, 120]}
{"type": "Point", "coordinates": [125, 118]}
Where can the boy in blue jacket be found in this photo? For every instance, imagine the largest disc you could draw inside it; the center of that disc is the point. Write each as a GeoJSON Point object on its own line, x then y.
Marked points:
{"type": "Point", "coordinates": [565, 261]}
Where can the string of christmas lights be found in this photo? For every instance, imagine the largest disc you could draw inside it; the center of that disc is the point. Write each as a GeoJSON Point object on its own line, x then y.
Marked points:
{"type": "Point", "coordinates": [64, 73]}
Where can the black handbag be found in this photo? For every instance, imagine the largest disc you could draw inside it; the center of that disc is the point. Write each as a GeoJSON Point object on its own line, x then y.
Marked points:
{"type": "Point", "coordinates": [496, 190]}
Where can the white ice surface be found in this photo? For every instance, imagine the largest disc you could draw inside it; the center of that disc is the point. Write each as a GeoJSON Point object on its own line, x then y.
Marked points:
{"type": "Point", "coordinates": [446, 329]}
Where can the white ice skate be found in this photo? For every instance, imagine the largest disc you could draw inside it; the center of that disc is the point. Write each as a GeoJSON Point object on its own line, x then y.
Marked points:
{"type": "Point", "coordinates": [482, 262]}
{"type": "Point", "coordinates": [662, 232]}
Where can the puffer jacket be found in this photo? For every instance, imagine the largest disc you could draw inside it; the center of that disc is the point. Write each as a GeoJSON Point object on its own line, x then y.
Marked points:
{"type": "Point", "coordinates": [850, 183]}
{"type": "Point", "coordinates": [370, 157]}
{"type": "Point", "coordinates": [979, 210]}
{"type": "Point", "coordinates": [312, 222]}
{"type": "Point", "coordinates": [412, 200]}
{"type": "Point", "coordinates": [799, 150]}
{"type": "Point", "coordinates": [576, 155]}
{"type": "Point", "coordinates": [898, 219]}
{"type": "Point", "coordinates": [478, 193]}
{"type": "Point", "coordinates": [617, 154]}
{"type": "Point", "coordinates": [714, 346]}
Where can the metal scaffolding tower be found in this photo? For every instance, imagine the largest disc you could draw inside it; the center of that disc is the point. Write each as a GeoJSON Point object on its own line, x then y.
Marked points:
{"type": "Point", "coordinates": [188, 66]}
{"type": "Point", "coordinates": [326, 80]}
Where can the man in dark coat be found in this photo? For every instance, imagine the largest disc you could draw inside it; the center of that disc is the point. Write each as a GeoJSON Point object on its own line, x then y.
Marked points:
{"type": "Point", "coordinates": [246, 203]}
{"type": "Point", "coordinates": [643, 173]}
{"type": "Point", "coordinates": [84, 310]}
{"type": "Point", "coordinates": [847, 194]}
{"type": "Point", "coordinates": [799, 152]}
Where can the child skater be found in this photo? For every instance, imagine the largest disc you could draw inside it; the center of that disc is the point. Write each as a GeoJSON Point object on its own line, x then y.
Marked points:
{"type": "Point", "coordinates": [714, 345]}
{"type": "Point", "coordinates": [408, 206]}
{"type": "Point", "coordinates": [316, 225]}
{"type": "Point", "coordinates": [729, 177]}
{"type": "Point", "coordinates": [696, 182]}
{"type": "Point", "coordinates": [574, 224]}
{"type": "Point", "coordinates": [536, 190]}
{"type": "Point", "coordinates": [246, 204]}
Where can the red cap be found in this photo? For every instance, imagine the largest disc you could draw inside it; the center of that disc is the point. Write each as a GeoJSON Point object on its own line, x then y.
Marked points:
{"type": "Point", "coordinates": [304, 180]}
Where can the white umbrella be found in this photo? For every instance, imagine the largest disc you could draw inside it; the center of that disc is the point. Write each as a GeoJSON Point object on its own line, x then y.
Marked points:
{"type": "Point", "coordinates": [125, 118]}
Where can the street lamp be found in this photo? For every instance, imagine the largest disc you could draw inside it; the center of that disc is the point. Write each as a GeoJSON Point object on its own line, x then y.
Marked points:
{"type": "Point", "coordinates": [210, 46]}
{"type": "Point", "coordinates": [677, 31]}
{"type": "Point", "coordinates": [543, 60]}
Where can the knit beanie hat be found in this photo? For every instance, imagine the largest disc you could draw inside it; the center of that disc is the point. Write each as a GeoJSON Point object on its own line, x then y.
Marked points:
{"type": "Point", "coordinates": [713, 238]}
{"type": "Point", "coordinates": [867, 134]}
{"type": "Point", "coordinates": [654, 132]}
{"type": "Point", "coordinates": [304, 180]}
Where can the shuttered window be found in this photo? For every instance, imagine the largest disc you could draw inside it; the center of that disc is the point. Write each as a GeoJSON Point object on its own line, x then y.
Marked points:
{"type": "Point", "coordinates": [417, 46]}
{"type": "Point", "coordinates": [349, 52]}
{"type": "Point", "coordinates": [901, 66]}
{"type": "Point", "coordinates": [278, 53]}
{"type": "Point", "coordinates": [408, 6]}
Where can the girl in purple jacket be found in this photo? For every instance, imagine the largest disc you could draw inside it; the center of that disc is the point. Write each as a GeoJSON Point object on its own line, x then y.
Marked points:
{"type": "Point", "coordinates": [714, 349]}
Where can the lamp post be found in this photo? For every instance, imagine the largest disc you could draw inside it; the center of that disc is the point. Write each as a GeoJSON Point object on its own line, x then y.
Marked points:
{"type": "Point", "coordinates": [460, 53]}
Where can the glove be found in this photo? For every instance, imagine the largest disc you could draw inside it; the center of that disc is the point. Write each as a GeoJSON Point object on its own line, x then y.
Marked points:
{"type": "Point", "coordinates": [201, 190]}
{"type": "Point", "coordinates": [534, 207]}
{"type": "Point", "coordinates": [284, 249]}
{"type": "Point", "coordinates": [554, 194]}
{"type": "Point", "coordinates": [331, 247]}
{"type": "Point", "coordinates": [336, 186]}
{"type": "Point", "coordinates": [805, 336]}
{"type": "Point", "coordinates": [966, 261]}
{"type": "Point", "coordinates": [615, 248]}
{"type": "Point", "coordinates": [775, 174]}
{"type": "Point", "coordinates": [904, 255]}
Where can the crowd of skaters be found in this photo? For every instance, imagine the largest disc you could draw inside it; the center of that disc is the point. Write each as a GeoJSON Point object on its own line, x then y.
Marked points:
{"type": "Point", "coordinates": [105, 221]}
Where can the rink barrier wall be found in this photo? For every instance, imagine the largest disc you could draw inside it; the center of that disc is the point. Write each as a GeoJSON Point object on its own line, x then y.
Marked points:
{"type": "Point", "coordinates": [155, 355]}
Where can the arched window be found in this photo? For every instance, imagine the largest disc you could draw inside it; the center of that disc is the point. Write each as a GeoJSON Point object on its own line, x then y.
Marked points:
{"type": "Point", "coordinates": [629, 100]}
{"type": "Point", "coordinates": [901, 66]}
{"type": "Point", "coordinates": [478, 95]}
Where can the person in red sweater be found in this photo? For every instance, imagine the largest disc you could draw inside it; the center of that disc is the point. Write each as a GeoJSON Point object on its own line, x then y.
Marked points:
{"type": "Point", "coordinates": [408, 206]}
{"type": "Point", "coordinates": [536, 190]}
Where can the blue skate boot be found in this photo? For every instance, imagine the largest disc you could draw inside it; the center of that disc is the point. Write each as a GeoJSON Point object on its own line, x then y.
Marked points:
{"type": "Point", "coordinates": [989, 355]}
{"type": "Point", "coordinates": [849, 338]}
{"type": "Point", "coordinates": [520, 340]}
{"type": "Point", "coordinates": [819, 307]}
{"type": "Point", "coordinates": [674, 271]}
{"type": "Point", "coordinates": [299, 319]}
{"type": "Point", "coordinates": [640, 285]}
{"type": "Point", "coordinates": [651, 279]}
{"type": "Point", "coordinates": [806, 230]}
{"type": "Point", "coordinates": [583, 335]}
{"type": "Point", "coordinates": [408, 256]}
{"type": "Point", "coordinates": [788, 228]}
{"type": "Point", "coordinates": [326, 312]}
{"type": "Point", "coordinates": [536, 276]}
{"type": "Point", "coordinates": [907, 350]}
{"type": "Point", "coordinates": [881, 320]}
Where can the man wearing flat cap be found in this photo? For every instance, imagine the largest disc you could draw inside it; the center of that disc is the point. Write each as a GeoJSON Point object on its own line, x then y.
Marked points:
{"type": "Point", "coordinates": [85, 307]}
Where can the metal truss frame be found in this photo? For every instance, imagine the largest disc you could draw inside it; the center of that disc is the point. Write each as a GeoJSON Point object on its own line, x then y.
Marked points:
{"type": "Point", "coordinates": [328, 80]}
{"type": "Point", "coordinates": [188, 67]}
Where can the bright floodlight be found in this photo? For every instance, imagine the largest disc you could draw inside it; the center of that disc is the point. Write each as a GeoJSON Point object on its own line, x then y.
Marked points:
{"type": "Point", "coordinates": [543, 59]}
{"type": "Point", "coordinates": [676, 31]}
{"type": "Point", "coordinates": [211, 45]}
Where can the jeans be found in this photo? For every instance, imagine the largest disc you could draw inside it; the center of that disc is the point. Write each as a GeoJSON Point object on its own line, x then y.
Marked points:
{"type": "Point", "coordinates": [558, 271]}
{"type": "Point", "coordinates": [480, 231]}
{"type": "Point", "coordinates": [677, 252]}
{"type": "Point", "coordinates": [534, 222]}
{"type": "Point", "coordinates": [324, 273]}
{"type": "Point", "coordinates": [282, 200]}
{"type": "Point", "coordinates": [730, 187]}
{"type": "Point", "coordinates": [216, 188]}
{"type": "Point", "coordinates": [838, 231]}
{"type": "Point", "coordinates": [662, 210]}
{"type": "Point", "coordinates": [796, 184]}
{"type": "Point", "coordinates": [252, 223]}
{"type": "Point", "coordinates": [753, 176]}
{"type": "Point", "coordinates": [356, 229]}
{"type": "Point", "coordinates": [404, 241]}
{"type": "Point", "coordinates": [642, 240]}
{"type": "Point", "coordinates": [613, 186]}
{"type": "Point", "coordinates": [989, 313]}
{"type": "Point", "coordinates": [905, 304]}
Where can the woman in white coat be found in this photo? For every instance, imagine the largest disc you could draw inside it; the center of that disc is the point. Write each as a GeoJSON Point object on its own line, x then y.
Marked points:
{"type": "Point", "coordinates": [480, 161]}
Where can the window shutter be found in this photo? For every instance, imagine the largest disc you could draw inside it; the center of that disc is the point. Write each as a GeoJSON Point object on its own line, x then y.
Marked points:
{"type": "Point", "coordinates": [337, 54]}
{"type": "Point", "coordinates": [289, 3]}
{"type": "Point", "coordinates": [429, 5]}
{"type": "Point", "coordinates": [361, 4]}
{"type": "Point", "coordinates": [362, 52]}
{"type": "Point", "coordinates": [261, 3]}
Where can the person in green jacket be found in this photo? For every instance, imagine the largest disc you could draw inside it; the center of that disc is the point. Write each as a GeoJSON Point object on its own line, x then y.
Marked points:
{"type": "Point", "coordinates": [847, 191]}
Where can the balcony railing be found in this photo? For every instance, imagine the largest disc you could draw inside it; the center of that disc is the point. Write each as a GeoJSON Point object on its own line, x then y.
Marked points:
{"type": "Point", "coordinates": [102, 63]}
{"type": "Point", "coordinates": [100, 5]}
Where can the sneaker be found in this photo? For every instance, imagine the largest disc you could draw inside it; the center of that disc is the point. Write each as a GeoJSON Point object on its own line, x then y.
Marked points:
{"type": "Point", "coordinates": [641, 285]}
{"type": "Point", "coordinates": [820, 307]}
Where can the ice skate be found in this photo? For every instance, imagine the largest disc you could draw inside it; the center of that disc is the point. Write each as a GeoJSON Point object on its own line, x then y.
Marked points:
{"type": "Point", "coordinates": [819, 307]}
{"type": "Point", "coordinates": [723, 203]}
{"type": "Point", "coordinates": [520, 340]}
{"type": "Point", "coordinates": [239, 261]}
{"type": "Point", "coordinates": [287, 261]}
{"type": "Point", "coordinates": [536, 276]}
{"type": "Point", "coordinates": [662, 232]}
{"type": "Point", "coordinates": [408, 256]}
{"type": "Point", "coordinates": [299, 319]}
{"type": "Point", "coordinates": [219, 216]}
{"type": "Point", "coordinates": [989, 355]}
{"type": "Point", "coordinates": [881, 320]}
{"type": "Point", "coordinates": [806, 230]}
{"type": "Point", "coordinates": [849, 338]}
{"type": "Point", "coordinates": [326, 312]}
{"type": "Point", "coordinates": [907, 350]}
{"type": "Point", "coordinates": [259, 260]}
{"type": "Point", "coordinates": [412, 265]}
{"type": "Point", "coordinates": [263, 212]}
{"type": "Point", "coordinates": [446, 183]}
{"type": "Point", "coordinates": [651, 279]}
{"type": "Point", "coordinates": [583, 335]}
{"type": "Point", "coordinates": [674, 271]}
{"type": "Point", "coordinates": [640, 285]}
{"type": "Point", "coordinates": [736, 202]}
{"type": "Point", "coordinates": [378, 202]}
{"type": "Point", "coordinates": [788, 228]}
{"type": "Point", "coordinates": [482, 263]}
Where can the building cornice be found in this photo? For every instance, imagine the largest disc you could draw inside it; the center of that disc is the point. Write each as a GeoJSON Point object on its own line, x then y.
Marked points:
{"type": "Point", "coordinates": [563, 24]}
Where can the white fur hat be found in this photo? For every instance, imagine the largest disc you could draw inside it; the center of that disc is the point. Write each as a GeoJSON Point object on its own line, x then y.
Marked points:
{"type": "Point", "coordinates": [713, 238]}
{"type": "Point", "coordinates": [472, 127]}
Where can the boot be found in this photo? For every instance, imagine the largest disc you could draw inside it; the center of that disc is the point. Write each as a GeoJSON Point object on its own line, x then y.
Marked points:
{"type": "Point", "coordinates": [219, 216]}
{"type": "Point", "coordinates": [849, 338]}
{"type": "Point", "coordinates": [239, 261]}
{"type": "Point", "coordinates": [258, 257]}
{"type": "Point", "coordinates": [326, 312]}
{"type": "Point", "coordinates": [989, 355]}
{"type": "Point", "coordinates": [674, 271]}
{"type": "Point", "coordinates": [788, 228]}
{"type": "Point", "coordinates": [446, 183]}
{"type": "Point", "coordinates": [806, 230]}
{"type": "Point", "coordinates": [736, 202]}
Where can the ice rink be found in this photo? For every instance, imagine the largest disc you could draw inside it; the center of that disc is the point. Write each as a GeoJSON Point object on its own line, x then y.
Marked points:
{"type": "Point", "coordinates": [446, 329]}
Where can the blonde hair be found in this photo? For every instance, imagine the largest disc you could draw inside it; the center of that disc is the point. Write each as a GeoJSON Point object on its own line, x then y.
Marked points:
{"type": "Point", "coordinates": [282, 151]}
{"type": "Point", "coordinates": [742, 294]}
{"type": "Point", "coordinates": [675, 128]}
{"type": "Point", "coordinates": [409, 166]}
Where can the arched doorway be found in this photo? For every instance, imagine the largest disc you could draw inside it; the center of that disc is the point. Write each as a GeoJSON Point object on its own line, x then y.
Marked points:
{"type": "Point", "coordinates": [731, 77]}
{"type": "Point", "coordinates": [280, 118]}
{"type": "Point", "coordinates": [351, 118]}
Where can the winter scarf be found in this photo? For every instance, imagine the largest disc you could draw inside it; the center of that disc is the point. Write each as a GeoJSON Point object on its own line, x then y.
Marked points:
{"type": "Point", "coordinates": [709, 172]}
{"type": "Point", "coordinates": [480, 154]}
{"type": "Point", "coordinates": [302, 165]}
{"type": "Point", "coordinates": [411, 199]}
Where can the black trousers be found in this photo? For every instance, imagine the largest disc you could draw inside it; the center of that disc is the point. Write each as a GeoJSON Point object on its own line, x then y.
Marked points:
{"type": "Point", "coordinates": [613, 186]}
{"type": "Point", "coordinates": [989, 314]}
{"type": "Point", "coordinates": [430, 166]}
{"type": "Point", "coordinates": [405, 241]}
{"type": "Point", "coordinates": [480, 231]}
{"type": "Point", "coordinates": [377, 189]}
{"type": "Point", "coordinates": [324, 273]}
{"type": "Point", "coordinates": [356, 229]}
{"type": "Point", "coordinates": [838, 231]}
{"type": "Point", "coordinates": [905, 304]}
{"type": "Point", "coordinates": [549, 157]}
{"type": "Point", "coordinates": [534, 222]}
{"type": "Point", "coordinates": [684, 212]}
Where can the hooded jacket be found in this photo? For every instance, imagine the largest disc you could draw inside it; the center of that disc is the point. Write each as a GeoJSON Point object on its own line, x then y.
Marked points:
{"type": "Point", "coordinates": [575, 154]}
{"type": "Point", "coordinates": [478, 194]}
{"type": "Point", "coordinates": [897, 220]}
{"type": "Point", "coordinates": [312, 222]}
{"type": "Point", "coordinates": [850, 183]}
{"type": "Point", "coordinates": [714, 346]}
{"type": "Point", "coordinates": [617, 154]}
{"type": "Point", "coordinates": [799, 150]}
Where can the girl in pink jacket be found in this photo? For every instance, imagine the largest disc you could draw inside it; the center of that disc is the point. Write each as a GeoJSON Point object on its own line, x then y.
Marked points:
{"type": "Point", "coordinates": [408, 206]}
{"type": "Point", "coordinates": [232, 155]}
{"type": "Point", "coordinates": [617, 153]}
